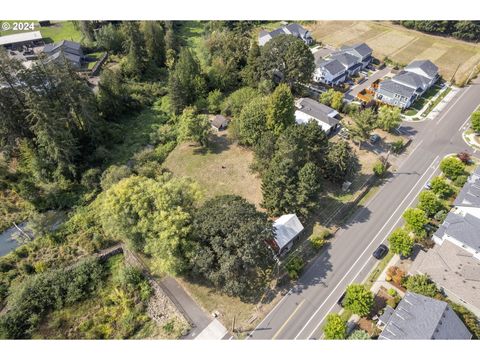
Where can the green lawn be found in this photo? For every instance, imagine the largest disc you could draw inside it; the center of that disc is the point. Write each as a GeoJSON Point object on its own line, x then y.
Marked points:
{"type": "Point", "coordinates": [59, 30]}
{"type": "Point", "coordinates": [96, 55]}
{"type": "Point", "coordinates": [191, 33]}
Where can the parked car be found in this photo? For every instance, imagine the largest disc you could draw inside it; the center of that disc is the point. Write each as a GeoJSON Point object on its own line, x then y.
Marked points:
{"type": "Point", "coordinates": [374, 138]}
{"type": "Point", "coordinates": [428, 185]}
{"type": "Point", "coordinates": [380, 252]}
{"type": "Point", "coordinates": [340, 300]}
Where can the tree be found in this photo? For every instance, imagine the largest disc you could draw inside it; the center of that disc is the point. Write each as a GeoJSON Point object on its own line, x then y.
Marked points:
{"type": "Point", "coordinates": [153, 216]}
{"type": "Point", "coordinates": [114, 98]}
{"type": "Point", "coordinates": [363, 124]}
{"type": "Point", "coordinates": [113, 174]}
{"type": "Point", "coordinates": [186, 83]}
{"type": "Point", "coordinates": [263, 150]}
{"type": "Point", "coordinates": [340, 162]}
{"type": "Point", "coordinates": [134, 45]}
{"type": "Point", "coordinates": [252, 122]}
{"type": "Point", "coordinates": [359, 335]}
{"type": "Point", "coordinates": [421, 284]}
{"type": "Point", "coordinates": [154, 42]}
{"type": "Point", "coordinates": [110, 38]}
{"type": "Point", "coordinates": [475, 121]}
{"type": "Point", "coordinates": [252, 72]}
{"type": "Point", "coordinates": [214, 100]}
{"type": "Point", "coordinates": [308, 189]}
{"type": "Point", "coordinates": [429, 203]}
{"type": "Point", "coordinates": [230, 238]}
{"type": "Point", "coordinates": [332, 98]}
{"type": "Point", "coordinates": [358, 299]}
{"type": "Point", "coordinates": [335, 327]}
{"type": "Point", "coordinates": [379, 169]}
{"type": "Point", "coordinates": [234, 103]}
{"type": "Point", "coordinates": [280, 109]}
{"type": "Point", "coordinates": [389, 117]}
{"type": "Point", "coordinates": [86, 28]}
{"type": "Point", "coordinates": [193, 127]}
{"type": "Point", "coordinates": [416, 219]}
{"type": "Point", "coordinates": [288, 56]}
{"type": "Point", "coordinates": [440, 187]}
{"type": "Point", "coordinates": [452, 167]}
{"type": "Point", "coordinates": [401, 242]}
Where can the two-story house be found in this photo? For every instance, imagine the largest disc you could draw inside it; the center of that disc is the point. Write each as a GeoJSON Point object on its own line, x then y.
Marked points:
{"type": "Point", "coordinates": [290, 29]}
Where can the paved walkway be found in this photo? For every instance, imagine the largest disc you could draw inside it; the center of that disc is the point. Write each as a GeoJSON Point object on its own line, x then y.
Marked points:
{"type": "Point", "coordinates": [435, 111]}
{"type": "Point", "coordinates": [381, 279]}
{"type": "Point", "coordinates": [196, 314]}
{"type": "Point", "coordinates": [214, 331]}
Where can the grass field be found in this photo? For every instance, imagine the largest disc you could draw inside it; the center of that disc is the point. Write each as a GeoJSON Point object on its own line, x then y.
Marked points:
{"type": "Point", "coordinates": [59, 30]}
{"type": "Point", "coordinates": [221, 169]}
{"type": "Point", "coordinates": [453, 57]}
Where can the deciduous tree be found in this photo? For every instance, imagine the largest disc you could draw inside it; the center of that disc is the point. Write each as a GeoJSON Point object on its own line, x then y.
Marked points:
{"type": "Point", "coordinates": [280, 109]}
{"type": "Point", "coordinates": [389, 118]}
{"type": "Point", "coordinates": [358, 299]}
{"type": "Point", "coordinates": [416, 219]}
{"type": "Point", "coordinates": [401, 242]}
{"type": "Point", "coordinates": [335, 327]}
{"type": "Point", "coordinates": [193, 127]}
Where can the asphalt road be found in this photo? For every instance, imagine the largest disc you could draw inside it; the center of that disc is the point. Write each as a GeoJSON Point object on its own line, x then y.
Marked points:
{"type": "Point", "coordinates": [301, 313]}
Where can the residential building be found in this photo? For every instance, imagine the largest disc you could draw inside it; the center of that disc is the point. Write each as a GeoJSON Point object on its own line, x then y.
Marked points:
{"type": "Point", "coordinates": [419, 317]}
{"type": "Point", "coordinates": [21, 40]}
{"type": "Point", "coordinates": [468, 200]}
{"type": "Point", "coordinates": [337, 66]}
{"type": "Point", "coordinates": [309, 109]}
{"type": "Point", "coordinates": [404, 88]}
{"type": "Point", "coordinates": [219, 122]}
{"type": "Point", "coordinates": [68, 50]}
{"type": "Point", "coordinates": [290, 29]}
{"type": "Point", "coordinates": [287, 229]}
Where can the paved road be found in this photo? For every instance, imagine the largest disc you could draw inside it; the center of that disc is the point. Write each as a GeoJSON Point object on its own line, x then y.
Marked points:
{"type": "Point", "coordinates": [301, 313]}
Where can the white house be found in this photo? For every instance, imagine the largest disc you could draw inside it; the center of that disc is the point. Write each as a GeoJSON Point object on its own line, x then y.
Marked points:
{"type": "Point", "coordinates": [325, 116]}
{"type": "Point", "coordinates": [287, 229]}
{"type": "Point", "coordinates": [468, 200]}
{"type": "Point", "coordinates": [330, 72]}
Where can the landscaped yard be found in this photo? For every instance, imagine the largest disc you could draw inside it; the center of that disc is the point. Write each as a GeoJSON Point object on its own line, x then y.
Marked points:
{"type": "Point", "coordinates": [223, 168]}
{"type": "Point", "coordinates": [453, 57]}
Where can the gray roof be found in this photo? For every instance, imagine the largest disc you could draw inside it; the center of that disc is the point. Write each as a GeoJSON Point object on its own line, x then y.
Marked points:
{"type": "Point", "coordinates": [64, 45]}
{"type": "Point", "coordinates": [411, 79]}
{"type": "Point", "coordinates": [464, 229]}
{"type": "Point", "coordinates": [293, 29]}
{"type": "Point", "coordinates": [297, 29]}
{"type": "Point", "coordinates": [361, 49]}
{"type": "Point", "coordinates": [20, 37]}
{"type": "Point", "coordinates": [418, 317]}
{"type": "Point", "coordinates": [425, 65]}
{"type": "Point", "coordinates": [317, 110]}
{"type": "Point", "coordinates": [345, 58]}
{"type": "Point", "coordinates": [333, 66]}
{"type": "Point", "coordinates": [469, 195]}
{"type": "Point", "coordinates": [219, 121]}
{"type": "Point", "coordinates": [396, 88]}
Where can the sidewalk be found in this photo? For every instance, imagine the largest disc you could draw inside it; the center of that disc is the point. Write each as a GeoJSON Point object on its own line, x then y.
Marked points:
{"type": "Point", "coordinates": [435, 111]}
{"type": "Point", "coordinates": [381, 279]}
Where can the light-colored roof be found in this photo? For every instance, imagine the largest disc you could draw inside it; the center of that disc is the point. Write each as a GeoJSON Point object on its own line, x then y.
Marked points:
{"type": "Point", "coordinates": [219, 121]}
{"type": "Point", "coordinates": [453, 269]}
{"type": "Point", "coordinates": [287, 227]}
{"type": "Point", "coordinates": [396, 88]}
{"type": "Point", "coordinates": [317, 111]}
{"type": "Point", "coordinates": [419, 317]}
{"type": "Point", "coordinates": [463, 228]}
{"type": "Point", "coordinates": [411, 79]}
{"type": "Point", "coordinates": [429, 68]}
{"type": "Point", "coordinates": [20, 37]}
{"type": "Point", "coordinates": [470, 194]}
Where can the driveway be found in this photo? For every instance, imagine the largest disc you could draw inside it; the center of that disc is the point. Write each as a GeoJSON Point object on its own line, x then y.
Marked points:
{"type": "Point", "coordinates": [352, 93]}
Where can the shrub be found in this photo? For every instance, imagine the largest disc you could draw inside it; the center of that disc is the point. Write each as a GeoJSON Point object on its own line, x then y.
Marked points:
{"type": "Point", "coordinates": [113, 175]}
{"type": "Point", "coordinates": [421, 284]}
{"type": "Point", "coordinates": [475, 120]}
{"type": "Point", "coordinates": [392, 292]}
{"type": "Point", "coordinates": [440, 187]}
{"type": "Point", "coordinates": [398, 146]}
{"type": "Point", "coordinates": [396, 274]}
{"type": "Point", "coordinates": [460, 180]}
{"type": "Point", "coordinates": [379, 169]}
{"type": "Point", "coordinates": [452, 167]}
{"type": "Point", "coordinates": [317, 242]}
{"type": "Point", "coordinates": [464, 157]}
{"type": "Point", "coordinates": [359, 335]}
{"type": "Point", "coordinates": [441, 215]}
{"type": "Point", "coordinates": [429, 203]}
{"type": "Point", "coordinates": [358, 299]}
{"type": "Point", "coordinates": [294, 267]}
{"type": "Point", "coordinates": [214, 100]}
{"type": "Point", "coordinates": [392, 302]}
{"type": "Point", "coordinates": [335, 327]}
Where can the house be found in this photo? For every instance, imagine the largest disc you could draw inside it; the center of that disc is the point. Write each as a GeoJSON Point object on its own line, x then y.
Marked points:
{"type": "Point", "coordinates": [335, 67]}
{"type": "Point", "coordinates": [287, 229]}
{"type": "Point", "coordinates": [462, 230]}
{"type": "Point", "coordinates": [404, 88]}
{"type": "Point", "coordinates": [325, 116]}
{"type": "Point", "coordinates": [68, 50]}
{"type": "Point", "coordinates": [20, 40]}
{"type": "Point", "coordinates": [419, 317]}
{"type": "Point", "coordinates": [468, 200]}
{"type": "Point", "coordinates": [219, 122]}
{"type": "Point", "coordinates": [290, 29]}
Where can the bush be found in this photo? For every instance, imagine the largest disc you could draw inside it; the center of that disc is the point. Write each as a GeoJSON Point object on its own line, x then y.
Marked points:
{"type": "Point", "coordinates": [317, 242]}
{"type": "Point", "coordinates": [475, 120]}
{"type": "Point", "coordinates": [113, 175]}
{"type": "Point", "coordinates": [460, 180]}
{"type": "Point", "coordinates": [392, 292]}
{"type": "Point", "coordinates": [392, 302]}
{"type": "Point", "coordinates": [396, 274]}
{"type": "Point", "coordinates": [429, 203]}
{"type": "Point", "coordinates": [359, 335]}
{"type": "Point", "coordinates": [294, 267]}
{"type": "Point", "coordinates": [441, 215]}
{"type": "Point", "coordinates": [464, 157]}
{"type": "Point", "coordinates": [440, 187]}
{"type": "Point", "coordinates": [421, 284]}
{"type": "Point", "coordinates": [398, 146]}
{"type": "Point", "coordinates": [358, 299]}
{"type": "Point", "coordinates": [335, 327]}
{"type": "Point", "coordinates": [214, 100]}
{"type": "Point", "coordinates": [452, 167]}
{"type": "Point", "coordinates": [379, 169]}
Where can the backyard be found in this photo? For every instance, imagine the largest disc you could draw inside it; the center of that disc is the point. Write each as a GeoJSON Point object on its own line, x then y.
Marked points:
{"type": "Point", "coordinates": [455, 58]}
{"type": "Point", "coordinates": [59, 30]}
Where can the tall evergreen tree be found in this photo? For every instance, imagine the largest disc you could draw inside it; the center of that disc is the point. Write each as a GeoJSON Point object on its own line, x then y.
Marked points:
{"type": "Point", "coordinates": [136, 61]}
{"type": "Point", "coordinates": [154, 42]}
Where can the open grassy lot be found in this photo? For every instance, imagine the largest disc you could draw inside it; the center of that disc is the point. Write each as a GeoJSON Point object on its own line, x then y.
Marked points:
{"type": "Point", "coordinates": [59, 30]}
{"type": "Point", "coordinates": [453, 57]}
{"type": "Point", "coordinates": [223, 168]}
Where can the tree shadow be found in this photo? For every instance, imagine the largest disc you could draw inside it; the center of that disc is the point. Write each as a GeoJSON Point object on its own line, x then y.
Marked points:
{"type": "Point", "coordinates": [217, 144]}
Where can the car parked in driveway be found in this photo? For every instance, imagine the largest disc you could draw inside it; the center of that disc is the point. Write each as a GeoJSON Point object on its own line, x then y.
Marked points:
{"type": "Point", "coordinates": [374, 138]}
{"type": "Point", "coordinates": [380, 252]}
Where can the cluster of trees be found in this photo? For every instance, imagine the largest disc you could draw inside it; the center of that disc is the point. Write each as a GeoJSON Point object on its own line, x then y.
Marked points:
{"type": "Point", "coordinates": [475, 121]}
{"type": "Point", "coordinates": [460, 29]}
{"type": "Point", "coordinates": [37, 295]}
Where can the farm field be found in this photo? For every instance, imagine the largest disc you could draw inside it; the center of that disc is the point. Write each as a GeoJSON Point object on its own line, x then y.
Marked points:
{"type": "Point", "coordinates": [455, 58]}
{"type": "Point", "coordinates": [223, 168]}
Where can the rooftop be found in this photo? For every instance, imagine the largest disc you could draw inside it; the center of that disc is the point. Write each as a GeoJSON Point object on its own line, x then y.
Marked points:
{"type": "Point", "coordinates": [465, 229]}
{"type": "Point", "coordinates": [332, 66]}
{"type": "Point", "coordinates": [411, 79]}
{"type": "Point", "coordinates": [418, 317]}
{"type": "Point", "coordinates": [469, 195]}
{"type": "Point", "coordinates": [429, 68]}
{"type": "Point", "coordinates": [396, 88]}
{"type": "Point", "coordinates": [362, 49]}
{"type": "Point", "coordinates": [286, 228]}
{"type": "Point", "coordinates": [20, 37]}
{"type": "Point", "coordinates": [317, 111]}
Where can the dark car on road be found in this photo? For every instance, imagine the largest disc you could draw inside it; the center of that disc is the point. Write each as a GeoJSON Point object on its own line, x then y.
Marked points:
{"type": "Point", "coordinates": [340, 300]}
{"type": "Point", "coordinates": [380, 252]}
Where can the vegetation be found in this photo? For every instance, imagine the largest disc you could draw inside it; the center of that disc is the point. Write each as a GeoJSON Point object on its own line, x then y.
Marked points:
{"type": "Point", "coordinates": [335, 327]}
{"type": "Point", "coordinates": [389, 118]}
{"type": "Point", "coordinates": [332, 98]}
{"type": "Point", "coordinates": [294, 267]}
{"type": "Point", "coordinates": [363, 124]}
{"type": "Point", "coordinates": [193, 127]}
{"type": "Point", "coordinates": [280, 110]}
{"type": "Point", "coordinates": [359, 335]}
{"type": "Point", "coordinates": [415, 220]}
{"type": "Point", "coordinates": [358, 299]}
{"type": "Point", "coordinates": [441, 187]}
{"type": "Point", "coordinates": [379, 169]}
{"type": "Point", "coordinates": [452, 167]}
{"type": "Point", "coordinates": [464, 30]}
{"type": "Point", "coordinates": [421, 284]}
{"type": "Point", "coordinates": [401, 242]}
{"type": "Point", "coordinates": [475, 121]}
{"type": "Point", "coordinates": [429, 203]}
